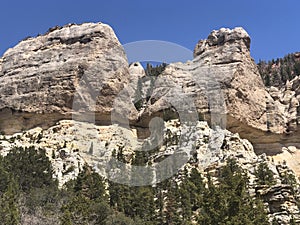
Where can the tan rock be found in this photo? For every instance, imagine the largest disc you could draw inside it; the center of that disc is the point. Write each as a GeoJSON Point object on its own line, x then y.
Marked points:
{"type": "Point", "coordinates": [81, 67]}
{"type": "Point", "coordinates": [223, 84]}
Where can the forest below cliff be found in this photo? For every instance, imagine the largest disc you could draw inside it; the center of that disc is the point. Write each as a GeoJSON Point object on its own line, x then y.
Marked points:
{"type": "Point", "coordinates": [29, 195]}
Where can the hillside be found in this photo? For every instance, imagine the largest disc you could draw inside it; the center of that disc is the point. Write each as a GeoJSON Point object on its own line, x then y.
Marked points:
{"type": "Point", "coordinates": [90, 138]}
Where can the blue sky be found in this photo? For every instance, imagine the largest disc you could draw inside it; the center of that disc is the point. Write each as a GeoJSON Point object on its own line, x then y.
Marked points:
{"type": "Point", "coordinates": [272, 25]}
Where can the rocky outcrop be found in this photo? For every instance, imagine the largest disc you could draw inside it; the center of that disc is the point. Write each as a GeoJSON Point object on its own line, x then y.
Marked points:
{"type": "Point", "coordinates": [222, 37]}
{"type": "Point", "coordinates": [222, 65]}
{"type": "Point", "coordinates": [71, 68]}
{"type": "Point", "coordinates": [280, 198]}
{"type": "Point", "coordinates": [286, 101]}
{"type": "Point", "coordinates": [137, 73]}
{"type": "Point", "coordinates": [283, 106]}
{"type": "Point", "coordinates": [81, 72]}
{"type": "Point", "coordinates": [281, 203]}
{"type": "Point", "coordinates": [224, 86]}
{"type": "Point", "coordinates": [70, 145]}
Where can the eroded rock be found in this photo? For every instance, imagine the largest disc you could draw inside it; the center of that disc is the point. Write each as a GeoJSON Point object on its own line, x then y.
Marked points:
{"type": "Point", "coordinates": [72, 68]}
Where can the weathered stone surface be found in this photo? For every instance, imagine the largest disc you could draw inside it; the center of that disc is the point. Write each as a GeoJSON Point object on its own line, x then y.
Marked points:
{"type": "Point", "coordinates": [137, 73]}
{"type": "Point", "coordinates": [71, 144]}
{"type": "Point", "coordinates": [64, 72]}
{"type": "Point", "coordinates": [281, 203]}
{"type": "Point", "coordinates": [222, 37]}
{"type": "Point", "coordinates": [75, 66]}
{"type": "Point", "coordinates": [223, 84]}
{"type": "Point", "coordinates": [84, 68]}
{"type": "Point", "coordinates": [286, 101]}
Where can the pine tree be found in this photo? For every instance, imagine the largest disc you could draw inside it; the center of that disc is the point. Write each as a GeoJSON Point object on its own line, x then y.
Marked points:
{"type": "Point", "coordinates": [90, 185]}
{"type": "Point", "coordinates": [229, 202]}
{"type": "Point", "coordinates": [264, 174]}
{"type": "Point", "coordinates": [66, 218]}
{"type": "Point", "coordinates": [88, 202]}
{"type": "Point", "coordinates": [9, 209]}
{"type": "Point", "coordinates": [37, 175]}
{"type": "Point", "coordinates": [119, 219]}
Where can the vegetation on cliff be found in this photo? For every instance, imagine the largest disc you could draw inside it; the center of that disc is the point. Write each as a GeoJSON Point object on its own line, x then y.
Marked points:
{"type": "Point", "coordinates": [29, 194]}
{"type": "Point", "coordinates": [277, 72]}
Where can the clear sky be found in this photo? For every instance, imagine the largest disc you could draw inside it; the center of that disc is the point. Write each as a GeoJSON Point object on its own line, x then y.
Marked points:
{"type": "Point", "coordinates": [272, 25]}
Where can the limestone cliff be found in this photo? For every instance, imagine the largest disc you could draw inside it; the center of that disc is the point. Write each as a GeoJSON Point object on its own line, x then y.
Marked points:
{"type": "Point", "coordinates": [81, 72]}
{"type": "Point", "coordinates": [225, 86]}
{"type": "Point", "coordinates": [70, 145]}
{"type": "Point", "coordinates": [43, 79]}
{"type": "Point", "coordinates": [224, 60]}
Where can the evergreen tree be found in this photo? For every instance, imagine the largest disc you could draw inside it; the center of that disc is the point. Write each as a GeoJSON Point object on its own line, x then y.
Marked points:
{"type": "Point", "coordinates": [66, 219]}
{"type": "Point", "coordinates": [90, 185]}
{"type": "Point", "coordinates": [277, 72]}
{"type": "Point", "coordinates": [9, 208]}
{"type": "Point", "coordinates": [229, 202]}
{"type": "Point", "coordinates": [264, 174]}
{"type": "Point", "coordinates": [119, 219]}
{"type": "Point", "coordinates": [88, 202]}
{"type": "Point", "coordinates": [172, 214]}
{"type": "Point", "coordinates": [31, 168]}
{"type": "Point", "coordinates": [297, 68]}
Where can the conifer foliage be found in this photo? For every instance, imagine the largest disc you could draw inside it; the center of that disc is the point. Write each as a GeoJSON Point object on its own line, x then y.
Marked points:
{"type": "Point", "coordinates": [278, 72]}
{"type": "Point", "coordinates": [190, 197]}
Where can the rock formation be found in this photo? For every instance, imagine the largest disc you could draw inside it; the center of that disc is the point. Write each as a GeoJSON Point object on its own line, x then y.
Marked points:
{"type": "Point", "coordinates": [81, 67]}
{"type": "Point", "coordinates": [286, 101]}
{"type": "Point", "coordinates": [224, 60]}
{"type": "Point", "coordinates": [81, 72]}
{"type": "Point", "coordinates": [70, 145]}
{"type": "Point", "coordinates": [224, 85]}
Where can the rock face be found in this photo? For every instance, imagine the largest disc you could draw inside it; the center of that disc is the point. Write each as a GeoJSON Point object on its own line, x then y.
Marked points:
{"type": "Point", "coordinates": [81, 71]}
{"type": "Point", "coordinates": [225, 36]}
{"type": "Point", "coordinates": [280, 199]}
{"type": "Point", "coordinates": [286, 101]}
{"type": "Point", "coordinates": [137, 73]}
{"type": "Point", "coordinates": [224, 86]}
{"type": "Point", "coordinates": [283, 106]}
{"type": "Point", "coordinates": [76, 66]}
{"type": "Point", "coordinates": [70, 145]}
{"type": "Point", "coordinates": [281, 203]}
{"type": "Point", "coordinates": [222, 63]}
